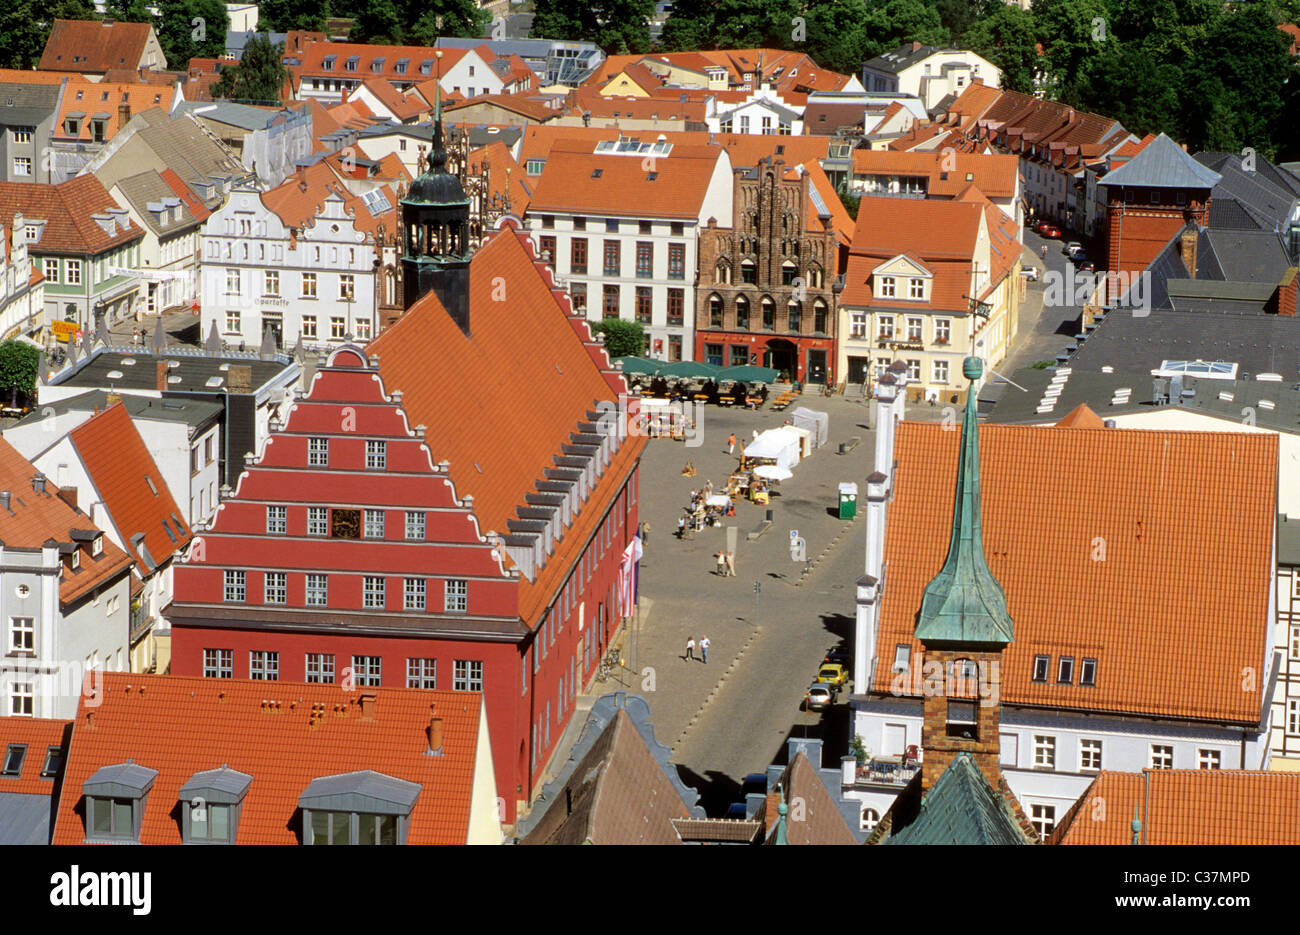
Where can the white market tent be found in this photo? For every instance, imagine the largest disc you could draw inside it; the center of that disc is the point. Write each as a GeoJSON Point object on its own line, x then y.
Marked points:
{"type": "Point", "coordinates": [775, 445]}
{"type": "Point", "coordinates": [818, 423]}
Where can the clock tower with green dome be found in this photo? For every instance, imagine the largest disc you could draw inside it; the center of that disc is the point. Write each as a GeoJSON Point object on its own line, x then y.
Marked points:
{"type": "Point", "coordinates": [435, 216]}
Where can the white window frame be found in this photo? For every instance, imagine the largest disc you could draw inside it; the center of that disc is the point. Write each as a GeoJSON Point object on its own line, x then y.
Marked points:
{"type": "Point", "coordinates": [376, 455]}
{"type": "Point", "coordinates": [317, 593]}
{"type": "Point", "coordinates": [275, 587]}
{"type": "Point", "coordinates": [367, 670]}
{"type": "Point", "coordinates": [1090, 753]}
{"type": "Point", "coordinates": [373, 525]}
{"type": "Point", "coordinates": [1209, 759]}
{"type": "Point", "coordinates": [264, 665]}
{"type": "Point", "coordinates": [22, 636]}
{"type": "Point", "coordinates": [455, 595]}
{"type": "Point", "coordinates": [467, 675]}
{"type": "Point", "coordinates": [1044, 752]}
{"type": "Point", "coordinates": [218, 663]}
{"type": "Point", "coordinates": [318, 521]}
{"type": "Point", "coordinates": [1162, 756]}
{"type": "Point", "coordinates": [277, 519]}
{"type": "Point", "coordinates": [236, 587]}
{"type": "Point", "coordinates": [318, 668]}
{"type": "Point", "coordinates": [318, 452]}
{"type": "Point", "coordinates": [414, 596]}
{"type": "Point", "coordinates": [1043, 818]}
{"type": "Point", "coordinates": [415, 523]}
{"type": "Point", "coordinates": [374, 592]}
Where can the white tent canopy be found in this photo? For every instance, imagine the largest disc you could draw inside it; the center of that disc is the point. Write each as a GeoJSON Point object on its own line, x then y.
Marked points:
{"type": "Point", "coordinates": [775, 445]}
{"type": "Point", "coordinates": [818, 423]}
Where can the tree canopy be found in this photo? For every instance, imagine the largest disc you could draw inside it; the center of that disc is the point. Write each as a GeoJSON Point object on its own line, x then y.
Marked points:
{"type": "Point", "coordinates": [620, 27]}
{"type": "Point", "coordinates": [622, 338]}
{"type": "Point", "coordinates": [258, 76]}
{"type": "Point", "coordinates": [19, 364]}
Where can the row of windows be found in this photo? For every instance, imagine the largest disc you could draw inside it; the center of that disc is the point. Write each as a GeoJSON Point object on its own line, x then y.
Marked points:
{"type": "Point", "coordinates": [1090, 755]}
{"type": "Point", "coordinates": [318, 453]}
{"type": "Point", "coordinates": [789, 272]}
{"type": "Point", "coordinates": [781, 128]}
{"type": "Point", "coordinates": [374, 591]}
{"type": "Point", "coordinates": [16, 756]}
{"type": "Point", "coordinates": [421, 672]}
{"type": "Point", "coordinates": [794, 320]}
{"type": "Point", "coordinates": [271, 284]}
{"type": "Point", "coordinates": [373, 523]}
{"type": "Point", "coordinates": [885, 328]}
{"type": "Point", "coordinates": [309, 329]}
{"type": "Point", "coordinates": [612, 257]}
{"type": "Point", "coordinates": [1065, 670]}
{"type": "Point", "coordinates": [644, 302]}
{"type": "Point", "coordinates": [612, 225]}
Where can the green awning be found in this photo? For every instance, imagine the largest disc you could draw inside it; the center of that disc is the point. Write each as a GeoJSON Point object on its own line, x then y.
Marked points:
{"type": "Point", "coordinates": [638, 364]}
{"type": "Point", "coordinates": [748, 373]}
{"type": "Point", "coordinates": [691, 369]}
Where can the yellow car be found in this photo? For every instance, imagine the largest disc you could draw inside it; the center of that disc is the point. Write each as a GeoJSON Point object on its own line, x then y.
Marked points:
{"type": "Point", "coordinates": [832, 673]}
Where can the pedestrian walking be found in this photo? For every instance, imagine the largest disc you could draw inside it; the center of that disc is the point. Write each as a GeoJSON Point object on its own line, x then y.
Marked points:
{"type": "Point", "coordinates": [704, 650]}
{"type": "Point", "coordinates": [690, 648]}
{"type": "Point", "coordinates": [645, 534]}
{"type": "Point", "coordinates": [731, 564]}
{"type": "Point", "coordinates": [731, 443]}
{"type": "Point", "coordinates": [722, 564]}
{"type": "Point", "coordinates": [681, 527]}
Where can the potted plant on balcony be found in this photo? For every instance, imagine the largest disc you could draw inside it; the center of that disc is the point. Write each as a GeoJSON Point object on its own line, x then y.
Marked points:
{"type": "Point", "coordinates": [859, 750]}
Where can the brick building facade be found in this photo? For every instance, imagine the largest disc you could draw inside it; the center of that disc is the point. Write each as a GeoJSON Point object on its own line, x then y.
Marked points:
{"type": "Point", "coordinates": [766, 290]}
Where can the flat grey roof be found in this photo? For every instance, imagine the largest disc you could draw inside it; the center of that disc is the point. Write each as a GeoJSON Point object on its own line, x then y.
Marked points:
{"type": "Point", "coordinates": [194, 368]}
{"type": "Point", "coordinates": [196, 412]}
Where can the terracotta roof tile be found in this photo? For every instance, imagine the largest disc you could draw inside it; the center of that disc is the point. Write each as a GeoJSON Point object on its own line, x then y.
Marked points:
{"type": "Point", "coordinates": [68, 207]}
{"type": "Point", "coordinates": [185, 194]}
{"type": "Point", "coordinates": [1185, 524]}
{"type": "Point", "coordinates": [133, 490]}
{"type": "Point", "coordinates": [571, 183]}
{"type": "Point", "coordinates": [1186, 806]}
{"type": "Point", "coordinates": [38, 735]}
{"type": "Point", "coordinates": [181, 726]}
{"type": "Point", "coordinates": [99, 45]}
{"type": "Point", "coordinates": [1082, 417]}
{"type": "Point", "coordinates": [35, 518]}
{"type": "Point", "coordinates": [994, 175]}
{"type": "Point", "coordinates": [526, 105]}
{"type": "Point", "coordinates": [506, 177]}
{"type": "Point", "coordinates": [83, 96]}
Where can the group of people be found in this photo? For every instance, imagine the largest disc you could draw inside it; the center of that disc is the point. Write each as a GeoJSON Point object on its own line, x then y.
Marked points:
{"type": "Point", "coordinates": [704, 649]}
{"type": "Point", "coordinates": [726, 564]}
{"type": "Point", "coordinates": [701, 513]}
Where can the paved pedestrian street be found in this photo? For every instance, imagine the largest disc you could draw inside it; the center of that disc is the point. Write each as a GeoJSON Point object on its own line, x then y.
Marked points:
{"type": "Point", "coordinates": [732, 716]}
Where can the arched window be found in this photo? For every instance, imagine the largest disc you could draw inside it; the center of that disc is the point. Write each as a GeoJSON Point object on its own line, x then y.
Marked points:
{"type": "Point", "coordinates": [742, 313]}
{"type": "Point", "coordinates": [789, 272]}
{"type": "Point", "coordinates": [819, 316]}
{"type": "Point", "coordinates": [769, 314]}
{"type": "Point", "coordinates": [748, 272]}
{"type": "Point", "coordinates": [814, 276]}
{"type": "Point", "coordinates": [794, 313]}
{"type": "Point", "coordinates": [722, 273]}
{"type": "Point", "coordinates": [715, 311]}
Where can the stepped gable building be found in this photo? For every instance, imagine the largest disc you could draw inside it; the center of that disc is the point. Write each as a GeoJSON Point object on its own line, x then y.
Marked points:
{"type": "Point", "coordinates": [448, 531]}
{"type": "Point", "coordinates": [767, 281]}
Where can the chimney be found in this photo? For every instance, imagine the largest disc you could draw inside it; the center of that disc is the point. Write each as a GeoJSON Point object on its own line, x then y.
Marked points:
{"type": "Point", "coordinates": [4, 499]}
{"type": "Point", "coordinates": [1286, 293]}
{"type": "Point", "coordinates": [1187, 248]}
{"type": "Point", "coordinates": [160, 371]}
{"type": "Point", "coordinates": [111, 399]}
{"type": "Point", "coordinates": [67, 494]}
{"type": "Point", "coordinates": [434, 733]}
{"type": "Point", "coordinates": [38, 483]}
{"type": "Point", "coordinates": [240, 378]}
{"type": "Point", "coordinates": [123, 114]}
{"type": "Point", "coordinates": [367, 702]}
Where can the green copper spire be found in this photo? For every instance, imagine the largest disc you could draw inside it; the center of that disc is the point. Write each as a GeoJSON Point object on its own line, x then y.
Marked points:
{"type": "Point", "coordinates": [964, 603]}
{"type": "Point", "coordinates": [781, 811]}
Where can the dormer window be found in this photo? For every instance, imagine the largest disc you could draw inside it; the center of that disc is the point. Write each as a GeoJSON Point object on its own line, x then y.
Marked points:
{"type": "Point", "coordinates": [888, 287]}
{"type": "Point", "coordinates": [211, 803]}
{"type": "Point", "coordinates": [364, 807]}
{"type": "Point", "coordinates": [916, 288]}
{"type": "Point", "coordinates": [97, 547]}
{"type": "Point", "coordinates": [1041, 666]}
{"type": "Point", "coordinates": [116, 797]}
{"type": "Point", "coordinates": [74, 559]}
{"type": "Point", "coordinates": [1088, 672]}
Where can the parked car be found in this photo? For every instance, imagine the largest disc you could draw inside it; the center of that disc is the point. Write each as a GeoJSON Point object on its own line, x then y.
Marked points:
{"type": "Point", "coordinates": [843, 659]}
{"type": "Point", "coordinates": [832, 673]}
{"type": "Point", "coordinates": [1071, 248]}
{"type": "Point", "coordinates": [1051, 232]}
{"type": "Point", "coordinates": [1030, 273]}
{"type": "Point", "coordinates": [818, 696]}
{"type": "Point", "coordinates": [1086, 265]}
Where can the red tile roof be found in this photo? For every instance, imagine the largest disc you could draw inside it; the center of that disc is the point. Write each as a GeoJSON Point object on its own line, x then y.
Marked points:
{"type": "Point", "coordinates": [314, 54]}
{"type": "Point", "coordinates": [1186, 806]}
{"type": "Point", "coordinates": [1082, 417]}
{"type": "Point", "coordinates": [501, 428]}
{"type": "Point", "coordinates": [526, 105]}
{"type": "Point", "coordinates": [994, 175]}
{"type": "Point", "coordinates": [282, 734]}
{"type": "Point", "coordinates": [88, 98]}
{"type": "Point", "coordinates": [91, 46]}
{"type": "Point", "coordinates": [300, 198]}
{"type": "Point", "coordinates": [570, 183]}
{"type": "Point", "coordinates": [133, 490]}
{"type": "Point", "coordinates": [1184, 522]}
{"type": "Point", "coordinates": [38, 734]}
{"type": "Point", "coordinates": [68, 207]}
{"type": "Point", "coordinates": [185, 194]}
{"type": "Point", "coordinates": [36, 518]}
{"type": "Point", "coordinates": [941, 235]}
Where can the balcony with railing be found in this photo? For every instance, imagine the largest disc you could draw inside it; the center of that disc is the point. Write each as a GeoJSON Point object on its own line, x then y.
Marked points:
{"type": "Point", "coordinates": [886, 771]}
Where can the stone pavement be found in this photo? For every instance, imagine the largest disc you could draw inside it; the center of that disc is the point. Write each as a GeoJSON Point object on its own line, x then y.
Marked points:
{"type": "Point", "coordinates": [733, 715]}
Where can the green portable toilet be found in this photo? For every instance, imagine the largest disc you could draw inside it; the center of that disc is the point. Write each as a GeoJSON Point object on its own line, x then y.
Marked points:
{"type": "Point", "coordinates": [848, 500]}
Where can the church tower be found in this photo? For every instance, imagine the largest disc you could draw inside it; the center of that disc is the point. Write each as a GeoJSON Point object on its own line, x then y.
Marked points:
{"type": "Point", "coordinates": [435, 217]}
{"type": "Point", "coordinates": [963, 626]}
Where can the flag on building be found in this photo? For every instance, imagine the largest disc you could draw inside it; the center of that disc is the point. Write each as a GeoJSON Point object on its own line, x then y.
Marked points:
{"type": "Point", "coordinates": [628, 584]}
